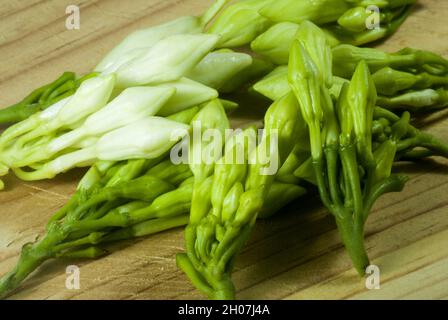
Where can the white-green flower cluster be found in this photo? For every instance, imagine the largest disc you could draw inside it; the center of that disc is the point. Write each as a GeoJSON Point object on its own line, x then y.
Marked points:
{"type": "Point", "coordinates": [118, 113]}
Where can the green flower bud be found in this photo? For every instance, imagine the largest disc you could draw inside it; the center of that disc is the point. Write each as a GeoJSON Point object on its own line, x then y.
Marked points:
{"type": "Point", "coordinates": [275, 85]}
{"type": "Point", "coordinates": [231, 202]}
{"type": "Point", "coordinates": [361, 98]}
{"type": "Point", "coordinates": [317, 11]}
{"type": "Point", "coordinates": [130, 106]}
{"type": "Point", "coordinates": [240, 23]}
{"type": "Point", "coordinates": [258, 69]}
{"type": "Point", "coordinates": [139, 41]}
{"type": "Point", "coordinates": [316, 44]}
{"type": "Point", "coordinates": [91, 96]}
{"type": "Point", "coordinates": [416, 100]}
{"type": "Point", "coordinates": [276, 42]}
{"type": "Point", "coordinates": [250, 204]}
{"type": "Point", "coordinates": [217, 68]}
{"type": "Point", "coordinates": [345, 117]}
{"type": "Point", "coordinates": [384, 157]}
{"type": "Point", "coordinates": [144, 139]}
{"type": "Point", "coordinates": [306, 172]}
{"type": "Point", "coordinates": [346, 58]}
{"type": "Point", "coordinates": [354, 19]}
{"type": "Point", "coordinates": [168, 60]}
{"type": "Point", "coordinates": [389, 81]}
{"type": "Point", "coordinates": [188, 93]}
{"type": "Point", "coordinates": [304, 78]}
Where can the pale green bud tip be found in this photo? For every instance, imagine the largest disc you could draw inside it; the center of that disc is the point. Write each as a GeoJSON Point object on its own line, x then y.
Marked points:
{"type": "Point", "coordinates": [362, 72]}
{"type": "Point", "coordinates": [146, 38]}
{"type": "Point", "coordinates": [346, 58]}
{"type": "Point", "coordinates": [231, 201]}
{"type": "Point", "coordinates": [229, 106]}
{"type": "Point", "coordinates": [315, 42]}
{"type": "Point", "coordinates": [213, 116]}
{"type": "Point", "coordinates": [275, 85]}
{"type": "Point", "coordinates": [276, 42]}
{"type": "Point", "coordinates": [3, 170]}
{"type": "Point", "coordinates": [251, 202]}
{"type": "Point", "coordinates": [95, 83]}
{"type": "Point", "coordinates": [282, 29]}
{"type": "Point", "coordinates": [131, 105]}
{"type": "Point", "coordinates": [240, 23]}
{"type": "Point", "coordinates": [303, 76]}
{"type": "Point", "coordinates": [168, 60]}
{"type": "Point", "coordinates": [147, 139]}
{"type": "Point", "coordinates": [389, 81]}
{"type": "Point", "coordinates": [354, 19]}
{"type": "Point", "coordinates": [416, 99]}
{"type": "Point", "coordinates": [219, 67]}
{"type": "Point", "coordinates": [318, 11]}
{"type": "Point", "coordinates": [297, 60]}
{"type": "Point", "coordinates": [92, 95]}
{"type": "Point", "coordinates": [188, 94]}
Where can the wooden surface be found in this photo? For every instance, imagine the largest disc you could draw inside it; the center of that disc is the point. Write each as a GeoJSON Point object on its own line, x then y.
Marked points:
{"type": "Point", "coordinates": [296, 255]}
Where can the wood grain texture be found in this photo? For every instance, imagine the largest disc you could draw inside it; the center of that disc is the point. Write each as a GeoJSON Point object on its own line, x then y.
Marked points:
{"type": "Point", "coordinates": [296, 255]}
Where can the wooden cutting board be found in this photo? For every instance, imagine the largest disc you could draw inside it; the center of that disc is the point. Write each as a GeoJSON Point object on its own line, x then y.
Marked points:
{"type": "Point", "coordinates": [295, 255]}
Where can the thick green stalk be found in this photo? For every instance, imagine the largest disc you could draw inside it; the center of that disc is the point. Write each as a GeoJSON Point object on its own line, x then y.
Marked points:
{"type": "Point", "coordinates": [352, 235]}
{"type": "Point", "coordinates": [32, 256]}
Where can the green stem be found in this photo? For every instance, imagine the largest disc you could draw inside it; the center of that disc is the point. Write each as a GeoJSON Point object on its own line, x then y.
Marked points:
{"type": "Point", "coordinates": [34, 102]}
{"type": "Point", "coordinates": [352, 235]}
{"type": "Point", "coordinates": [234, 248]}
{"type": "Point", "coordinates": [17, 113]}
{"type": "Point", "coordinates": [195, 277]}
{"type": "Point", "coordinates": [350, 165]}
{"type": "Point", "coordinates": [147, 228]}
{"type": "Point", "coordinates": [321, 183]}
{"type": "Point", "coordinates": [85, 253]}
{"type": "Point", "coordinates": [394, 183]}
{"type": "Point", "coordinates": [226, 290]}
{"type": "Point", "coordinates": [51, 102]}
{"type": "Point", "coordinates": [94, 213]}
{"type": "Point", "coordinates": [331, 155]}
{"type": "Point", "coordinates": [396, 23]}
{"type": "Point", "coordinates": [28, 262]}
{"type": "Point", "coordinates": [414, 155]}
{"type": "Point", "coordinates": [50, 88]}
{"type": "Point", "coordinates": [72, 203]}
{"type": "Point", "coordinates": [32, 256]}
{"type": "Point", "coordinates": [424, 140]}
{"type": "Point", "coordinates": [92, 239]}
{"type": "Point", "coordinates": [66, 87]}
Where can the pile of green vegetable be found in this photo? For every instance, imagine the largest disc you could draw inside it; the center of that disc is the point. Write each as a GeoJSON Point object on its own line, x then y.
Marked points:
{"type": "Point", "coordinates": [340, 116]}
